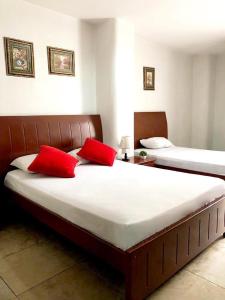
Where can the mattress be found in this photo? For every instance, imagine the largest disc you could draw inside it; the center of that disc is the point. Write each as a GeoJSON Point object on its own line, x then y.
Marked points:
{"type": "Point", "coordinates": [123, 204]}
{"type": "Point", "coordinates": [206, 161]}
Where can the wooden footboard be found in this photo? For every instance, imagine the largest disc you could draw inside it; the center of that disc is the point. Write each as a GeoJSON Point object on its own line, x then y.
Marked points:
{"type": "Point", "coordinates": [156, 259]}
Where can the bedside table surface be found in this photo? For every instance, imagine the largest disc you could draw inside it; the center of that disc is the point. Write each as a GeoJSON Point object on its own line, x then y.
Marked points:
{"type": "Point", "coordinates": [138, 160]}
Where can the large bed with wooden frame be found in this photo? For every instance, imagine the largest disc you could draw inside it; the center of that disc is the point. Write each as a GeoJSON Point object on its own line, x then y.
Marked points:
{"type": "Point", "coordinates": [146, 265]}
{"type": "Point", "coordinates": [181, 159]}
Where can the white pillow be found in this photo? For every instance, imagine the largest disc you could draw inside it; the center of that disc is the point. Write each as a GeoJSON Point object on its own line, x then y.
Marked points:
{"type": "Point", "coordinates": [82, 161]}
{"type": "Point", "coordinates": [156, 143]}
{"type": "Point", "coordinates": [23, 162]}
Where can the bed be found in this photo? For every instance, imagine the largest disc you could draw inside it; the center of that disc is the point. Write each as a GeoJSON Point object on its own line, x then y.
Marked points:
{"type": "Point", "coordinates": [147, 243]}
{"type": "Point", "coordinates": [183, 159]}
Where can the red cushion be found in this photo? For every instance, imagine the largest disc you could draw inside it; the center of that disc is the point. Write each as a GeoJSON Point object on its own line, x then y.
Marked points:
{"type": "Point", "coordinates": [53, 162]}
{"type": "Point", "coordinates": [97, 152]}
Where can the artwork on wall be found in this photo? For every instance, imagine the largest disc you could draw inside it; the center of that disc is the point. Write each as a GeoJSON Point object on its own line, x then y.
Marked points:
{"type": "Point", "coordinates": [61, 61]}
{"type": "Point", "coordinates": [19, 57]}
{"type": "Point", "coordinates": [149, 78]}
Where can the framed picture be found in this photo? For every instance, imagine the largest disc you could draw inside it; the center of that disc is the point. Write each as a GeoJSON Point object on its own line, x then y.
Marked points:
{"type": "Point", "coordinates": [19, 56]}
{"type": "Point", "coordinates": [61, 61]}
{"type": "Point", "coordinates": [149, 78]}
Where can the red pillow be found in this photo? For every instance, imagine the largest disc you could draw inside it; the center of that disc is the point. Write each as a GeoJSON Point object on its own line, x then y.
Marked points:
{"type": "Point", "coordinates": [97, 152]}
{"type": "Point", "coordinates": [53, 162]}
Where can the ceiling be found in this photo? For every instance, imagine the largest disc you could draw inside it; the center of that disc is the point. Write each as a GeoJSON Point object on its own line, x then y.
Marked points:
{"type": "Point", "coordinates": [193, 26]}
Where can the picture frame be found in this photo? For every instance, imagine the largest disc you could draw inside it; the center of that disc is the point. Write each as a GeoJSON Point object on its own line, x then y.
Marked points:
{"type": "Point", "coordinates": [61, 61]}
{"type": "Point", "coordinates": [19, 57]}
{"type": "Point", "coordinates": [149, 78]}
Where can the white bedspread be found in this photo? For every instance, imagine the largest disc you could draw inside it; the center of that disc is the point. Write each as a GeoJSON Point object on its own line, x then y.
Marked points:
{"type": "Point", "coordinates": [123, 204]}
{"type": "Point", "coordinates": [208, 161]}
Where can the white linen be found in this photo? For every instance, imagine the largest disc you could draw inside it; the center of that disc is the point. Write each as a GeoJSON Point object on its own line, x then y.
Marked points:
{"type": "Point", "coordinates": [23, 162]}
{"type": "Point", "coordinates": [81, 161]}
{"type": "Point", "coordinates": [123, 204]}
{"type": "Point", "coordinates": [156, 143]}
{"type": "Point", "coordinates": [207, 161]}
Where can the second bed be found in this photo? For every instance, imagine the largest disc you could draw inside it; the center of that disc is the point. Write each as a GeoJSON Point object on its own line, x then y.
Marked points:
{"type": "Point", "coordinates": [190, 160]}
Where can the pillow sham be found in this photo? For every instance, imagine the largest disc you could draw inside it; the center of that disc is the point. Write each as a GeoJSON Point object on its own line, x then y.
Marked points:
{"type": "Point", "coordinates": [156, 143]}
{"type": "Point", "coordinates": [23, 162]}
{"type": "Point", "coordinates": [81, 161]}
{"type": "Point", "coordinates": [54, 162]}
{"type": "Point", "coordinates": [97, 152]}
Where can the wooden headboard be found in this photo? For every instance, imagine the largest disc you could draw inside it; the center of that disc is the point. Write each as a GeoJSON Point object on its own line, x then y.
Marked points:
{"type": "Point", "coordinates": [149, 124]}
{"type": "Point", "coordinates": [21, 135]}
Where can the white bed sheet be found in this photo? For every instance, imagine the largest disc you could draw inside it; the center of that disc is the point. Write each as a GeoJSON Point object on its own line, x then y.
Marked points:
{"type": "Point", "coordinates": [200, 160]}
{"type": "Point", "coordinates": [123, 204]}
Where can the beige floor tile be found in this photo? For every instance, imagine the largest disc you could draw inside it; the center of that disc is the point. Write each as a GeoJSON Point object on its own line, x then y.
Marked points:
{"type": "Point", "coordinates": [14, 238]}
{"type": "Point", "coordinates": [77, 283]}
{"type": "Point", "coordinates": [187, 286]}
{"type": "Point", "coordinates": [33, 265]}
{"type": "Point", "coordinates": [211, 264]}
{"type": "Point", "coordinates": [5, 293]}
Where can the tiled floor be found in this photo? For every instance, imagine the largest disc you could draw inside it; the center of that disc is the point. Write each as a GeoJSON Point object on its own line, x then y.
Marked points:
{"type": "Point", "coordinates": [36, 264]}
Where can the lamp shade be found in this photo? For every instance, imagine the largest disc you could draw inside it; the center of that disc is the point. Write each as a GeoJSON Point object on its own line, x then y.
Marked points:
{"type": "Point", "coordinates": [125, 142]}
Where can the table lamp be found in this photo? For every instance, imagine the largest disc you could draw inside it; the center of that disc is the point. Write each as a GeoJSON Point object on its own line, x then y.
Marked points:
{"type": "Point", "coordinates": [125, 145]}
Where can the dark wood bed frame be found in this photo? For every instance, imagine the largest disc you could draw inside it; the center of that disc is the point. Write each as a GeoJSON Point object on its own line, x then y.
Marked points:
{"type": "Point", "coordinates": [151, 124]}
{"type": "Point", "coordinates": [146, 265]}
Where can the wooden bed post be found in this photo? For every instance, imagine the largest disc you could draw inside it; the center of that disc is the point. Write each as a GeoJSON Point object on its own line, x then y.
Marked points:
{"type": "Point", "coordinates": [132, 286]}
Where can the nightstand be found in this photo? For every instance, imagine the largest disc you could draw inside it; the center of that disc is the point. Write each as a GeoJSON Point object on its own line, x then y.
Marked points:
{"type": "Point", "coordinates": [149, 161]}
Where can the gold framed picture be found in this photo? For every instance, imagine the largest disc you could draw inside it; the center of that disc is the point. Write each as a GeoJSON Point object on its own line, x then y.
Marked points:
{"type": "Point", "coordinates": [19, 57]}
{"type": "Point", "coordinates": [61, 61]}
{"type": "Point", "coordinates": [149, 78]}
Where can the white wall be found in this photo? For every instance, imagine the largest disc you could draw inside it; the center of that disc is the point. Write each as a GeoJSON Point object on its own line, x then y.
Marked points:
{"type": "Point", "coordinates": [114, 78]}
{"type": "Point", "coordinates": [107, 56]}
{"type": "Point", "coordinates": [105, 81]}
{"type": "Point", "coordinates": [218, 111]}
{"type": "Point", "coordinates": [172, 94]}
{"type": "Point", "coordinates": [208, 102]}
{"type": "Point", "coordinates": [47, 94]}
{"type": "Point", "coordinates": [202, 90]}
{"type": "Point", "coordinates": [124, 78]}
{"type": "Point", "coordinates": [104, 56]}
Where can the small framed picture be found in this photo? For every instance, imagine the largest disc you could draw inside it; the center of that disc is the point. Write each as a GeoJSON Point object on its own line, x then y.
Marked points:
{"type": "Point", "coordinates": [149, 78]}
{"type": "Point", "coordinates": [19, 56]}
{"type": "Point", "coordinates": [61, 61]}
